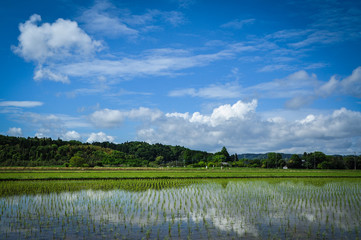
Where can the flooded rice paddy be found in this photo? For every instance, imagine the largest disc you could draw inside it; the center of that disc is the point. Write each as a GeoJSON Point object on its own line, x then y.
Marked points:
{"type": "Point", "coordinates": [181, 209]}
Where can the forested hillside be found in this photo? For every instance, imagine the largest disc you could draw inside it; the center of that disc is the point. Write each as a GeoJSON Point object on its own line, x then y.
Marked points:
{"type": "Point", "coordinates": [18, 151]}
{"type": "Point", "coordinates": [32, 152]}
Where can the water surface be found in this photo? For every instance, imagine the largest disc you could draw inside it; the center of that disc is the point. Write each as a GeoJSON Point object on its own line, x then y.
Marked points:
{"type": "Point", "coordinates": [201, 209]}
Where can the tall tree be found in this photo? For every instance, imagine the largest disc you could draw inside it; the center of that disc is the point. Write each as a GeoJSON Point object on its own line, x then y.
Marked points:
{"type": "Point", "coordinates": [295, 162]}
{"type": "Point", "coordinates": [225, 153]}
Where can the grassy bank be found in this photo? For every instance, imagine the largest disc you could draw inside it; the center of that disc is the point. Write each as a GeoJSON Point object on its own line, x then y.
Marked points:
{"type": "Point", "coordinates": [128, 173]}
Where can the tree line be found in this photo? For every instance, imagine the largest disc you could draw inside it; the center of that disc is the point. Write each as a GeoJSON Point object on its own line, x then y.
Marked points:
{"type": "Point", "coordinates": [32, 152]}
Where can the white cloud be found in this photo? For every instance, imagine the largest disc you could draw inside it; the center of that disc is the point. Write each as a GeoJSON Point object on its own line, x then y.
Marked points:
{"type": "Point", "coordinates": [23, 104]}
{"type": "Point", "coordinates": [184, 3]}
{"type": "Point", "coordinates": [71, 135]}
{"type": "Point", "coordinates": [183, 92]}
{"type": "Point", "coordinates": [332, 23]}
{"type": "Point", "coordinates": [242, 129]}
{"type": "Point", "coordinates": [237, 126]}
{"type": "Point", "coordinates": [99, 137]}
{"type": "Point", "coordinates": [178, 115]}
{"type": "Point", "coordinates": [156, 64]}
{"type": "Point", "coordinates": [315, 65]}
{"type": "Point", "coordinates": [46, 125]}
{"type": "Point", "coordinates": [220, 115]}
{"type": "Point", "coordinates": [175, 18]}
{"type": "Point", "coordinates": [228, 90]}
{"type": "Point", "coordinates": [43, 132]}
{"type": "Point", "coordinates": [340, 124]}
{"type": "Point", "coordinates": [14, 131]}
{"type": "Point", "coordinates": [109, 118]}
{"type": "Point", "coordinates": [308, 119]}
{"type": "Point", "coordinates": [276, 67]}
{"type": "Point", "coordinates": [288, 34]}
{"type": "Point", "coordinates": [50, 125]}
{"type": "Point", "coordinates": [62, 50]}
{"type": "Point", "coordinates": [58, 40]}
{"type": "Point", "coordinates": [238, 24]}
{"type": "Point", "coordinates": [299, 102]}
{"type": "Point", "coordinates": [45, 73]}
{"type": "Point", "coordinates": [329, 87]}
{"type": "Point", "coordinates": [297, 84]}
{"type": "Point", "coordinates": [51, 43]}
{"type": "Point", "coordinates": [299, 89]}
{"type": "Point", "coordinates": [318, 37]}
{"type": "Point", "coordinates": [143, 113]}
{"type": "Point", "coordinates": [351, 85]}
{"type": "Point", "coordinates": [99, 18]}
{"type": "Point", "coordinates": [153, 16]}
{"type": "Point", "coordinates": [224, 113]}
{"type": "Point", "coordinates": [110, 21]}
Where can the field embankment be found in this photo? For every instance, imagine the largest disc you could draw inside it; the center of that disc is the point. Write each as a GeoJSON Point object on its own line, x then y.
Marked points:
{"type": "Point", "coordinates": [7, 174]}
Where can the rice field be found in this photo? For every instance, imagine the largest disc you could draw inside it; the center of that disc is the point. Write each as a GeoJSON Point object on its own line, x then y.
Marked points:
{"type": "Point", "coordinates": [161, 173]}
{"type": "Point", "coordinates": [181, 209]}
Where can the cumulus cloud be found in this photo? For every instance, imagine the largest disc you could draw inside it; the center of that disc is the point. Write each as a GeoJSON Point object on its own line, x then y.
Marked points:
{"type": "Point", "coordinates": [51, 125]}
{"type": "Point", "coordinates": [238, 126]}
{"type": "Point", "coordinates": [221, 114]}
{"type": "Point", "coordinates": [350, 85]}
{"type": "Point", "coordinates": [242, 129]}
{"type": "Point", "coordinates": [22, 104]}
{"type": "Point", "coordinates": [46, 125]}
{"type": "Point", "coordinates": [99, 137]}
{"type": "Point", "coordinates": [71, 135]}
{"type": "Point", "coordinates": [107, 118]}
{"type": "Point", "coordinates": [144, 114]}
{"type": "Point", "coordinates": [341, 123]}
{"type": "Point", "coordinates": [14, 131]}
{"type": "Point", "coordinates": [202, 130]}
{"type": "Point", "coordinates": [42, 134]}
{"type": "Point", "coordinates": [53, 42]}
{"type": "Point", "coordinates": [58, 40]}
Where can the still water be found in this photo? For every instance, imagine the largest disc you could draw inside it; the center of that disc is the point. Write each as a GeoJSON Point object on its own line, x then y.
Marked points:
{"type": "Point", "coordinates": [219, 209]}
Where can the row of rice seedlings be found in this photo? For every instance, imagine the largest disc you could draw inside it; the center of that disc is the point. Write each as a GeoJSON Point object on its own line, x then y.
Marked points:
{"type": "Point", "coordinates": [10, 188]}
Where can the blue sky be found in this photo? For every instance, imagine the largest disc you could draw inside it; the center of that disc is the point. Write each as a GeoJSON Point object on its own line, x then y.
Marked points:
{"type": "Point", "coordinates": [254, 76]}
